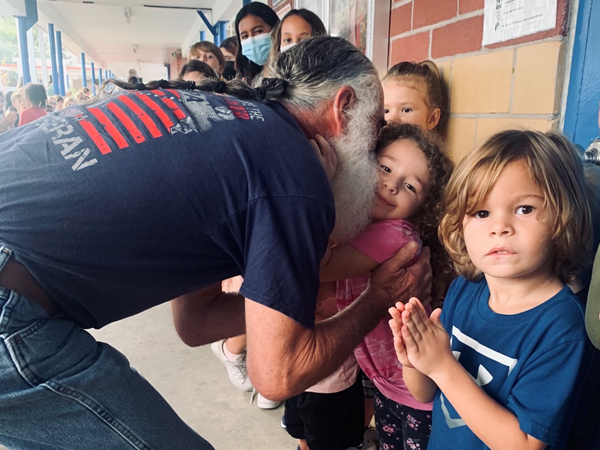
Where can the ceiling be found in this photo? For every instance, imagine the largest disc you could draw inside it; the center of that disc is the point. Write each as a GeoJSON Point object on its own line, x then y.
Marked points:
{"type": "Point", "coordinates": [121, 34]}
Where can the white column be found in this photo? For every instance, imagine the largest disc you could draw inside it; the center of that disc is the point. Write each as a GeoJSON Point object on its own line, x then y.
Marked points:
{"type": "Point", "coordinates": [19, 66]}
{"type": "Point", "coordinates": [42, 36]}
{"type": "Point", "coordinates": [31, 50]}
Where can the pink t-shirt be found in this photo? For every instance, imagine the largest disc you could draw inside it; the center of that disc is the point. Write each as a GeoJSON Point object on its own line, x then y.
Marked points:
{"type": "Point", "coordinates": [375, 354]}
{"type": "Point", "coordinates": [340, 380]}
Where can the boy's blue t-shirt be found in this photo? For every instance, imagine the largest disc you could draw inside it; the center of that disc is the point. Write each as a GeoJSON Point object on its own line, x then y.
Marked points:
{"type": "Point", "coordinates": [126, 203]}
{"type": "Point", "coordinates": [532, 363]}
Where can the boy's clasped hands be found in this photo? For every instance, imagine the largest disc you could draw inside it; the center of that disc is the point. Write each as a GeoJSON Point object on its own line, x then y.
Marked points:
{"type": "Point", "coordinates": [421, 342]}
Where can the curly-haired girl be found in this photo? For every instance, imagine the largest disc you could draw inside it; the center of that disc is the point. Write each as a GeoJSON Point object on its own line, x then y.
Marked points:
{"type": "Point", "coordinates": [413, 176]}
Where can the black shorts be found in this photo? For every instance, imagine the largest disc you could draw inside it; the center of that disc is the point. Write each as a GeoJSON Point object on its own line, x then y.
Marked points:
{"type": "Point", "coordinates": [327, 421]}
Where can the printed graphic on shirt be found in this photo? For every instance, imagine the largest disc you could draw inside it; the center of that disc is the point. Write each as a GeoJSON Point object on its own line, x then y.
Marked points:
{"type": "Point", "coordinates": [486, 366]}
{"type": "Point", "coordinates": [82, 135]}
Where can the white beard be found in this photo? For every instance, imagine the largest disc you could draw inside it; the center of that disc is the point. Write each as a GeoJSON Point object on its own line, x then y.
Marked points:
{"type": "Point", "coordinates": [356, 176]}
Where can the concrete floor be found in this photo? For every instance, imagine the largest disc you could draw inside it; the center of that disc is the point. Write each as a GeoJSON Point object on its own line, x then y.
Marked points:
{"type": "Point", "coordinates": [195, 383]}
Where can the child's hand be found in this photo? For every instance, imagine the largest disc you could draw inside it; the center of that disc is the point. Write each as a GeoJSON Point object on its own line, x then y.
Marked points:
{"type": "Point", "coordinates": [326, 155]}
{"type": "Point", "coordinates": [426, 342]}
{"type": "Point", "coordinates": [396, 326]}
{"type": "Point", "coordinates": [10, 116]}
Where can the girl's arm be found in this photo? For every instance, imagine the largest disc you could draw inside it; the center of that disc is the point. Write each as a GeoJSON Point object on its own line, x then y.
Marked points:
{"type": "Point", "coordinates": [344, 261]}
{"type": "Point", "coordinates": [428, 349]}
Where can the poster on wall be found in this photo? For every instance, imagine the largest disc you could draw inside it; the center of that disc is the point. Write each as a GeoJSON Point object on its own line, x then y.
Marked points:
{"type": "Point", "coordinates": [509, 19]}
{"type": "Point", "coordinates": [348, 19]}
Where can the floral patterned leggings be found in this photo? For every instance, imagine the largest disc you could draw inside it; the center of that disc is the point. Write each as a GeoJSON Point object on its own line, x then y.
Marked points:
{"type": "Point", "coordinates": [399, 426]}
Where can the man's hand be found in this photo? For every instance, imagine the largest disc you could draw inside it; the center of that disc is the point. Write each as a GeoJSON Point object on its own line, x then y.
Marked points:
{"type": "Point", "coordinates": [326, 301]}
{"type": "Point", "coordinates": [391, 282]}
{"type": "Point", "coordinates": [326, 155]}
{"type": "Point", "coordinates": [426, 343]}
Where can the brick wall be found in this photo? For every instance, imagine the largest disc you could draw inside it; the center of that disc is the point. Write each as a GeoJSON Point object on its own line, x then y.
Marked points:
{"type": "Point", "coordinates": [513, 83]}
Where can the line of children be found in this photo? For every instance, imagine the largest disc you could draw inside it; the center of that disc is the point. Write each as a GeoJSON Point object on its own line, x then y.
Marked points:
{"type": "Point", "coordinates": [414, 93]}
{"type": "Point", "coordinates": [413, 174]}
{"type": "Point", "coordinates": [412, 177]}
{"type": "Point", "coordinates": [508, 357]}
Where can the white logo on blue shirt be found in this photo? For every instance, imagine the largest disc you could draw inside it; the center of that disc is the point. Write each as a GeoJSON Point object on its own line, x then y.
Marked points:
{"type": "Point", "coordinates": [484, 376]}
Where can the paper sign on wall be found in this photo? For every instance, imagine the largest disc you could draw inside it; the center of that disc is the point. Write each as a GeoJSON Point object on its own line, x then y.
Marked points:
{"type": "Point", "coordinates": [509, 19]}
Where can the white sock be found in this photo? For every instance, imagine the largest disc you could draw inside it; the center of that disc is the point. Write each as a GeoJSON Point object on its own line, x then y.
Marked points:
{"type": "Point", "coordinates": [230, 356]}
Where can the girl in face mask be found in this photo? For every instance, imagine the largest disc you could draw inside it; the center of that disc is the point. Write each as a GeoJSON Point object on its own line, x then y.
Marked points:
{"type": "Point", "coordinates": [229, 48]}
{"type": "Point", "coordinates": [253, 25]}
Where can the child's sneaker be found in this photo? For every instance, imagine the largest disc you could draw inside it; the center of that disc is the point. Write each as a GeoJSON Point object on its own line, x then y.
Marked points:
{"type": "Point", "coordinates": [236, 369]}
{"type": "Point", "coordinates": [370, 439]}
{"type": "Point", "coordinates": [265, 403]}
{"type": "Point", "coordinates": [262, 402]}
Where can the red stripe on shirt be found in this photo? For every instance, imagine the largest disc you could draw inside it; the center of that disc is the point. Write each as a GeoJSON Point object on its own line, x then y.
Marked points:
{"type": "Point", "coordinates": [145, 118]}
{"type": "Point", "coordinates": [157, 110]}
{"type": "Point", "coordinates": [126, 121]}
{"type": "Point", "coordinates": [93, 133]}
{"type": "Point", "coordinates": [109, 127]}
{"type": "Point", "coordinates": [174, 92]}
{"type": "Point", "coordinates": [157, 92]}
{"type": "Point", "coordinates": [171, 104]}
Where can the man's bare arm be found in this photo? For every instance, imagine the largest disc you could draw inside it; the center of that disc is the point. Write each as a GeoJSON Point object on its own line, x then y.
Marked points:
{"type": "Point", "coordinates": [285, 358]}
{"type": "Point", "coordinates": [208, 315]}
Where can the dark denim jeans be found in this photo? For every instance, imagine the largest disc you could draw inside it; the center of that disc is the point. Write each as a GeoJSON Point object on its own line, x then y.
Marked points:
{"type": "Point", "coordinates": [61, 389]}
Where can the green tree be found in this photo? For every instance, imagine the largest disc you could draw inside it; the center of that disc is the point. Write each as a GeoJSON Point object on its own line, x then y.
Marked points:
{"type": "Point", "coordinates": [9, 47]}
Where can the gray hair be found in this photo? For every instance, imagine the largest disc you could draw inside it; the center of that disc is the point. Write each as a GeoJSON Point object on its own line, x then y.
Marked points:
{"type": "Point", "coordinates": [316, 68]}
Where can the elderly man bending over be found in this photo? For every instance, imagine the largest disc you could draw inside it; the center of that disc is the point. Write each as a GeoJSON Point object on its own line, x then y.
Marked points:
{"type": "Point", "coordinates": [111, 208]}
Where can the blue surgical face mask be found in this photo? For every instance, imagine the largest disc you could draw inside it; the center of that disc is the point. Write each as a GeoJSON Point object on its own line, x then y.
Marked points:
{"type": "Point", "coordinates": [285, 48]}
{"type": "Point", "coordinates": [257, 48]}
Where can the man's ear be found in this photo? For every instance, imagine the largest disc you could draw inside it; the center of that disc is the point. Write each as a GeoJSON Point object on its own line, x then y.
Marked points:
{"type": "Point", "coordinates": [342, 102]}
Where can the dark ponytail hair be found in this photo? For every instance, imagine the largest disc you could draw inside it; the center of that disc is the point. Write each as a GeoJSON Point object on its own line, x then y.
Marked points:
{"type": "Point", "coordinates": [271, 89]}
{"type": "Point", "coordinates": [245, 67]}
{"type": "Point", "coordinates": [36, 95]}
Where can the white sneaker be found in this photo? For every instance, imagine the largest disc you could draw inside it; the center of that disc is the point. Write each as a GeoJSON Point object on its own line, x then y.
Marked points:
{"type": "Point", "coordinates": [265, 403]}
{"type": "Point", "coordinates": [262, 402]}
{"type": "Point", "coordinates": [236, 369]}
{"type": "Point", "coordinates": [370, 437]}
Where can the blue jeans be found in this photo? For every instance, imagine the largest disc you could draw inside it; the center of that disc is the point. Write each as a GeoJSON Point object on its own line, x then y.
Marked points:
{"type": "Point", "coordinates": [60, 389]}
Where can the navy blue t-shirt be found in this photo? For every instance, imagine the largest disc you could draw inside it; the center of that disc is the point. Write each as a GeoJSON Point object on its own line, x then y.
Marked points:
{"type": "Point", "coordinates": [121, 205]}
{"type": "Point", "coordinates": [533, 363]}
